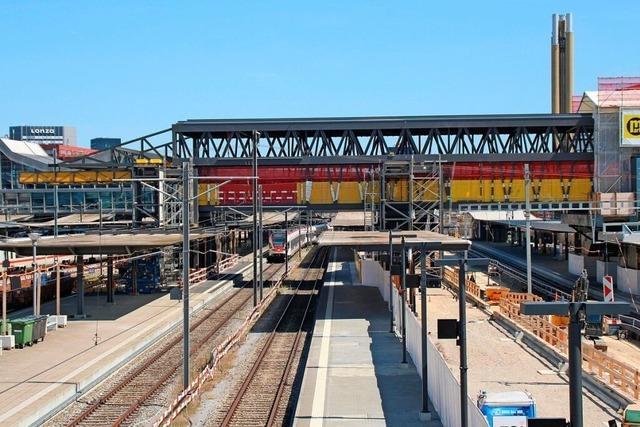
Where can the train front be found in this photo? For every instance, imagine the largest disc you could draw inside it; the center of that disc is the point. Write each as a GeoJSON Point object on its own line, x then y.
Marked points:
{"type": "Point", "coordinates": [277, 247]}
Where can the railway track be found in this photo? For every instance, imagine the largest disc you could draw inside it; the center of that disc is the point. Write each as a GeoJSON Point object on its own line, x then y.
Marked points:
{"type": "Point", "coordinates": [261, 398]}
{"type": "Point", "coordinates": [120, 403]}
{"type": "Point", "coordinates": [548, 284]}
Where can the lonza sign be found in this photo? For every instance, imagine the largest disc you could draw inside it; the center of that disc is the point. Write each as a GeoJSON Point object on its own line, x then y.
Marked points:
{"type": "Point", "coordinates": [630, 128]}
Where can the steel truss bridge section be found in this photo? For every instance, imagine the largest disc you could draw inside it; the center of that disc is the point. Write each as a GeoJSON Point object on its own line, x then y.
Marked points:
{"type": "Point", "coordinates": [367, 138]}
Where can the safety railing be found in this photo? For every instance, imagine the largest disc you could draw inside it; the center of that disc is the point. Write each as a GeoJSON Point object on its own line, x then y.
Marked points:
{"type": "Point", "coordinates": [617, 375]}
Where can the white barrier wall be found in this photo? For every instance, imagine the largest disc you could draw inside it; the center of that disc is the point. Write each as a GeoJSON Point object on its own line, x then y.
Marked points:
{"type": "Point", "coordinates": [611, 269]}
{"type": "Point", "coordinates": [444, 389]}
{"type": "Point", "coordinates": [628, 280]}
{"type": "Point", "coordinates": [576, 264]}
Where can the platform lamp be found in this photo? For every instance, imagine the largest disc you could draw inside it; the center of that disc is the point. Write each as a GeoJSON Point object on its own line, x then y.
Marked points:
{"type": "Point", "coordinates": [35, 237]}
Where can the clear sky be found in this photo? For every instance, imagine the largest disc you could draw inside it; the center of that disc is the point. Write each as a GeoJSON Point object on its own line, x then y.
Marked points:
{"type": "Point", "coordinates": [127, 68]}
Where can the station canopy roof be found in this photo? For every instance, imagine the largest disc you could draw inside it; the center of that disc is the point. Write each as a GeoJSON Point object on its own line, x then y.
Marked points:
{"type": "Point", "coordinates": [26, 153]}
{"type": "Point", "coordinates": [351, 219]}
{"type": "Point", "coordinates": [270, 218]}
{"type": "Point", "coordinates": [551, 226]}
{"type": "Point", "coordinates": [515, 215]}
{"type": "Point", "coordinates": [95, 244]}
{"type": "Point", "coordinates": [379, 240]}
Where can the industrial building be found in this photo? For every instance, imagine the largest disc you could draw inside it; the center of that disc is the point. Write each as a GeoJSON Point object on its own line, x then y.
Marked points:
{"type": "Point", "coordinates": [104, 143]}
{"type": "Point", "coordinates": [65, 135]}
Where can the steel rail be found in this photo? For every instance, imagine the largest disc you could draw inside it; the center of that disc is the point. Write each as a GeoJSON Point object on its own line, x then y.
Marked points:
{"type": "Point", "coordinates": [267, 346]}
{"type": "Point", "coordinates": [85, 414]}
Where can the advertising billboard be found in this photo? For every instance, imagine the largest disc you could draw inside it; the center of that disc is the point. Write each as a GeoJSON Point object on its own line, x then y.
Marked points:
{"type": "Point", "coordinates": [629, 128]}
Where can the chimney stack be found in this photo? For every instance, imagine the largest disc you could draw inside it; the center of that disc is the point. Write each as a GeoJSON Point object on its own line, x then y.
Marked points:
{"type": "Point", "coordinates": [561, 64]}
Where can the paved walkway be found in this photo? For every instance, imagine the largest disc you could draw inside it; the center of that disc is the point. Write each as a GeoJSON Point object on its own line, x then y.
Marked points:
{"type": "Point", "coordinates": [353, 374]}
{"type": "Point", "coordinates": [36, 380]}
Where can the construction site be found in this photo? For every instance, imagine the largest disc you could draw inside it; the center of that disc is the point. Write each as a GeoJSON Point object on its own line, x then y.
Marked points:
{"type": "Point", "coordinates": [441, 270]}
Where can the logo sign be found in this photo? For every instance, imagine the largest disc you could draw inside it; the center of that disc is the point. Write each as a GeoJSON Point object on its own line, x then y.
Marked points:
{"type": "Point", "coordinates": [630, 128]}
{"type": "Point", "coordinates": [607, 288]}
{"type": "Point", "coordinates": [42, 131]}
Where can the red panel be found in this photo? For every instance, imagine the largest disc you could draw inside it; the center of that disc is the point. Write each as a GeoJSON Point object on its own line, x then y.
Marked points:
{"type": "Point", "coordinates": [292, 173]}
{"type": "Point", "coordinates": [272, 194]}
{"type": "Point", "coordinates": [515, 170]}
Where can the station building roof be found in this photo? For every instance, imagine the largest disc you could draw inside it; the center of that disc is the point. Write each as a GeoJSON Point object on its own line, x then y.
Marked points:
{"type": "Point", "coordinates": [95, 244]}
{"type": "Point", "coordinates": [379, 240]}
{"type": "Point", "coordinates": [26, 153]}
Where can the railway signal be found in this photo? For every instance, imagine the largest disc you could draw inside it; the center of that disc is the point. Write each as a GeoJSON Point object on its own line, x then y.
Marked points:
{"type": "Point", "coordinates": [607, 289]}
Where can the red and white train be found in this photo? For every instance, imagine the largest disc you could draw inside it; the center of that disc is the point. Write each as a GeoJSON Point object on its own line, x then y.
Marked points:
{"type": "Point", "coordinates": [285, 244]}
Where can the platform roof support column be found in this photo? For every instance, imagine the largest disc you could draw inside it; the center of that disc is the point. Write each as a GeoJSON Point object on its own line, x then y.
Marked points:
{"type": "Point", "coordinates": [4, 303]}
{"type": "Point", "coordinates": [80, 287]}
{"type": "Point", "coordinates": [403, 292]}
{"type": "Point", "coordinates": [423, 321]}
{"type": "Point", "coordinates": [110, 279]}
{"type": "Point", "coordinates": [462, 338]}
{"type": "Point", "coordinates": [390, 283]}
{"type": "Point", "coordinates": [57, 286]}
{"type": "Point", "coordinates": [286, 243]}
{"type": "Point", "coordinates": [260, 241]}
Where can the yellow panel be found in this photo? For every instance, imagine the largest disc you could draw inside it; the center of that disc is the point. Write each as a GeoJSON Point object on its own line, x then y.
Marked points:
{"type": "Point", "coordinates": [551, 190]}
{"type": "Point", "coordinates": [27, 178]}
{"type": "Point", "coordinates": [465, 190]}
{"type": "Point", "coordinates": [300, 193]}
{"type": "Point", "coordinates": [349, 192]}
{"type": "Point", "coordinates": [321, 193]}
{"type": "Point", "coordinates": [122, 175]}
{"type": "Point", "coordinates": [203, 199]}
{"type": "Point", "coordinates": [78, 177]}
{"type": "Point", "coordinates": [580, 190]}
{"type": "Point", "coordinates": [492, 191]}
{"type": "Point", "coordinates": [517, 190]}
{"type": "Point", "coordinates": [425, 191]}
{"type": "Point", "coordinates": [399, 191]}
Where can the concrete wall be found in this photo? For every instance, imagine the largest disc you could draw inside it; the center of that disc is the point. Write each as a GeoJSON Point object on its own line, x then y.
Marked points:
{"type": "Point", "coordinates": [576, 264]}
{"type": "Point", "coordinates": [628, 280]}
{"type": "Point", "coordinates": [444, 388]}
{"type": "Point", "coordinates": [611, 270]}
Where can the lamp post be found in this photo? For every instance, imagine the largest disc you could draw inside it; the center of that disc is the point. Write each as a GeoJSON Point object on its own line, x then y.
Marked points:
{"type": "Point", "coordinates": [36, 292]}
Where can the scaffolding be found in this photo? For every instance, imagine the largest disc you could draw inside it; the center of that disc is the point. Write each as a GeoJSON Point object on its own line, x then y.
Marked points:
{"type": "Point", "coordinates": [412, 195]}
{"type": "Point", "coordinates": [612, 161]}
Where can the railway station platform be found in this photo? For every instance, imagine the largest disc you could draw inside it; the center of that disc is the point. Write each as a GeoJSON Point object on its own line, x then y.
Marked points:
{"type": "Point", "coordinates": [36, 381]}
{"type": "Point", "coordinates": [546, 265]}
{"type": "Point", "coordinates": [354, 375]}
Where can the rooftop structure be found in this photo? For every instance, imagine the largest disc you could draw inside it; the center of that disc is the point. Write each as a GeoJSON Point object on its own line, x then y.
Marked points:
{"type": "Point", "coordinates": [45, 134]}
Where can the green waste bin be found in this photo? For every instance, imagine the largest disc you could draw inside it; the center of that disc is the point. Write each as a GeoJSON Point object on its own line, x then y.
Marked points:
{"type": "Point", "coordinates": [8, 327]}
{"type": "Point", "coordinates": [22, 329]}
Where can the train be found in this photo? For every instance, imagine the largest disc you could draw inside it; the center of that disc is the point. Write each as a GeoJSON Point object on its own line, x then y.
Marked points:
{"type": "Point", "coordinates": [294, 238]}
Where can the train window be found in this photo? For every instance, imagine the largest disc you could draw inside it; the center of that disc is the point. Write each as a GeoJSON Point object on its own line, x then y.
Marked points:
{"type": "Point", "coordinates": [278, 238]}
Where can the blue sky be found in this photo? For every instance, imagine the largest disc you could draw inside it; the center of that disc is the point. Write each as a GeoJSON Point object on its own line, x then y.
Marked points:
{"type": "Point", "coordinates": [126, 68]}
